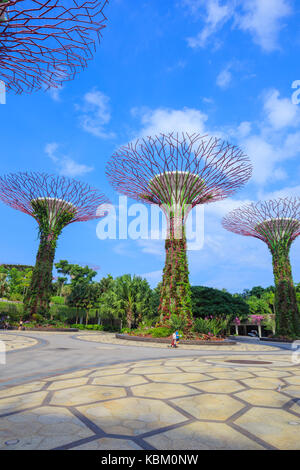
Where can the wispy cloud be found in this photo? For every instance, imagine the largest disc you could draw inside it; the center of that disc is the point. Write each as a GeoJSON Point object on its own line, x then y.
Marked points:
{"type": "Point", "coordinates": [262, 19]}
{"type": "Point", "coordinates": [224, 78]}
{"type": "Point", "coordinates": [65, 165]}
{"type": "Point", "coordinates": [95, 114]}
{"type": "Point", "coordinates": [54, 93]}
{"type": "Point", "coordinates": [164, 120]}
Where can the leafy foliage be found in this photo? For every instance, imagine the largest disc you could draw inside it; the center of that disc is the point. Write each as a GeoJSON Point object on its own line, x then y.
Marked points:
{"type": "Point", "coordinates": [207, 301]}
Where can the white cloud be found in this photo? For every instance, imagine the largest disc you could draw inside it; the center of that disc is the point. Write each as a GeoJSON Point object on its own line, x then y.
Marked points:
{"type": "Point", "coordinates": [289, 191]}
{"type": "Point", "coordinates": [262, 19]}
{"type": "Point", "coordinates": [215, 17]}
{"type": "Point", "coordinates": [224, 78]}
{"type": "Point", "coordinates": [268, 142]}
{"type": "Point", "coordinates": [281, 112]}
{"type": "Point", "coordinates": [152, 247]}
{"type": "Point", "coordinates": [164, 120]}
{"type": "Point", "coordinates": [153, 277]}
{"type": "Point", "coordinates": [55, 93]}
{"type": "Point", "coordinates": [66, 166]}
{"type": "Point", "coordinates": [95, 114]}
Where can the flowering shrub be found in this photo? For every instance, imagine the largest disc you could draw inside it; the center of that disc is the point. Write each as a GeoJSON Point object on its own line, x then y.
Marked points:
{"type": "Point", "coordinates": [256, 319]}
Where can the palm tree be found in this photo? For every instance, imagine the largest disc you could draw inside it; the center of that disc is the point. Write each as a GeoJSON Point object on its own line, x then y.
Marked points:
{"type": "Point", "coordinates": [4, 287]}
{"type": "Point", "coordinates": [133, 298]}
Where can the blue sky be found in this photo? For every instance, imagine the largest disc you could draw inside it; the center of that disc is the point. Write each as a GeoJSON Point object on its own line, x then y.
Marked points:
{"type": "Point", "coordinates": [220, 67]}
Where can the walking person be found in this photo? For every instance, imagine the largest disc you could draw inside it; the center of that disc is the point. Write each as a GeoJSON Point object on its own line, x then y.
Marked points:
{"type": "Point", "coordinates": [174, 340]}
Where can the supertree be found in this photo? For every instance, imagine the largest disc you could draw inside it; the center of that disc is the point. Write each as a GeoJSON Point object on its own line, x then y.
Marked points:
{"type": "Point", "coordinates": [54, 202]}
{"type": "Point", "coordinates": [277, 223]}
{"type": "Point", "coordinates": [44, 42]}
{"type": "Point", "coordinates": [177, 172]}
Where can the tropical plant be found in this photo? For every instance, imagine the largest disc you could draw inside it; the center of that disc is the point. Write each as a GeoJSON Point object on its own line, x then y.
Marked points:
{"type": "Point", "coordinates": [214, 325]}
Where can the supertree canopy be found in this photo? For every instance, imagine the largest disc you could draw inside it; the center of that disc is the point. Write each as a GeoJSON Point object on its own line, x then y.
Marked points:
{"type": "Point", "coordinates": [177, 172]}
{"type": "Point", "coordinates": [44, 42]}
{"type": "Point", "coordinates": [277, 223]}
{"type": "Point", "coordinates": [54, 202]}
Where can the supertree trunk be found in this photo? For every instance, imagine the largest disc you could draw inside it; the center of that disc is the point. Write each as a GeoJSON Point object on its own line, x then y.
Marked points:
{"type": "Point", "coordinates": [54, 202]}
{"type": "Point", "coordinates": [276, 223]}
{"type": "Point", "coordinates": [286, 308]}
{"type": "Point", "coordinates": [38, 296]}
{"type": "Point", "coordinates": [176, 291]}
{"type": "Point", "coordinates": [178, 172]}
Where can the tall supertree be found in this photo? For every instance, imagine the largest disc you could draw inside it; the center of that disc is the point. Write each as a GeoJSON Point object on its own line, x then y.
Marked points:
{"type": "Point", "coordinates": [54, 202]}
{"type": "Point", "coordinates": [177, 172]}
{"type": "Point", "coordinates": [277, 223]}
{"type": "Point", "coordinates": [44, 42]}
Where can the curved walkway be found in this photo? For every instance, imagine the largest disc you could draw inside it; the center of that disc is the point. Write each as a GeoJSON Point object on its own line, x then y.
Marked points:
{"type": "Point", "coordinates": [111, 339]}
{"type": "Point", "coordinates": [174, 400]}
{"type": "Point", "coordinates": [13, 342]}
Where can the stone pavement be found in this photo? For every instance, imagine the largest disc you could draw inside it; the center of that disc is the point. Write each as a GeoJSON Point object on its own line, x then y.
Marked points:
{"type": "Point", "coordinates": [14, 341]}
{"type": "Point", "coordinates": [192, 402]}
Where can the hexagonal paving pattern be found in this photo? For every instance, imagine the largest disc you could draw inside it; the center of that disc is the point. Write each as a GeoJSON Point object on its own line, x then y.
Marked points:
{"type": "Point", "coordinates": [278, 428]}
{"type": "Point", "coordinates": [86, 394]}
{"type": "Point", "coordinates": [46, 428]}
{"type": "Point", "coordinates": [209, 406]}
{"type": "Point", "coordinates": [203, 436]}
{"type": "Point", "coordinates": [173, 404]}
{"type": "Point", "coordinates": [132, 416]}
{"type": "Point", "coordinates": [219, 386]}
{"type": "Point", "coordinates": [156, 390]}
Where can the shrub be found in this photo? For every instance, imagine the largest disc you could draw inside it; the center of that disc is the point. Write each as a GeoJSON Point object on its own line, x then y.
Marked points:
{"type": "Point", "coordinates": [16, 296]}
{"type": "Point", "coordinates": [160, 332]}
{"type": "Point", "coordinates": [79, 326]}
{"type": "Point", "coordinates": [39, 319]}
{"type": "Point", "coordinates": [126, 330]}
{"type": "Point", "coordinates": [214, 326]}
{"type": "Point", "coordinates": [57, 300]}
{"type": "Point", "coordinates": [177, 323]}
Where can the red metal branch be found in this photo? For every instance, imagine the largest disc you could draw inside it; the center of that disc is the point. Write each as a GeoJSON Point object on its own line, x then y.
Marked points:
{"type": "Point", "coordinates": [221, 167]}
{"type": "Point", "coordinates": [18, 190]}
{"type": "Point", "coordinates": [45, 42]}
{"type": "Point", "coordinates": [266, 220]}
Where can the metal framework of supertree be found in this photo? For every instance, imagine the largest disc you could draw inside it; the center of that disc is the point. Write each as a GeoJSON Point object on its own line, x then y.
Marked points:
{"type": "Point", "coordinates": [54, 202]}
{"type": "Point", "coordinates": [45, 42]}
{"type": "Point", "coordinates": [277, 223]}
{"type": "Point", "coordinates": [177, 172]}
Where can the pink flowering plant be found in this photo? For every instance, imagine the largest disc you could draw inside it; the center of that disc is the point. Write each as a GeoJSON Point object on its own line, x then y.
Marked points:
{"type": "Point", "coordinates": [256, 319]}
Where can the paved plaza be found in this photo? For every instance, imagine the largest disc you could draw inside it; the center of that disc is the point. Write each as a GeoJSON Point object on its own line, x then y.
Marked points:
{"type": "Point", "coordinates": [92, 391]}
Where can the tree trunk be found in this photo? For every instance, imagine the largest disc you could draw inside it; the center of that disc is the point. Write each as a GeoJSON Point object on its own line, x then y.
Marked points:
{"type": "Point", "coordinates": [129, 317]}
{"type": "Point", "coordinates": [37, 298]}
{"type": "Point", "coordinates": [286, 308]}
{"type": "Point", "coordinates": [175, 292]}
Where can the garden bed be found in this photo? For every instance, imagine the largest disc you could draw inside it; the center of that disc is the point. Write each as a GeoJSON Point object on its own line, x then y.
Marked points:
{"type": "Point", "coordinates": [148, 339]}
{"type": "Point", "coordinates": [276, 340]}
{"type": "Point", "coordinates": [48, 328]}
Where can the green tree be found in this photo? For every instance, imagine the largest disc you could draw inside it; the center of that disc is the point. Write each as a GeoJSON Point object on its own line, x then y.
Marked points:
{"type": "Point", "coordinates": [133, 295]}
{"type": "Point", "coordinates": [84, 296]}
{"type": "Point", "coordinates": [258, 306]}
{"type": "Point", "coordinates": [77, 273]}
{"type": "Point", "coordinates": [207, 301]}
